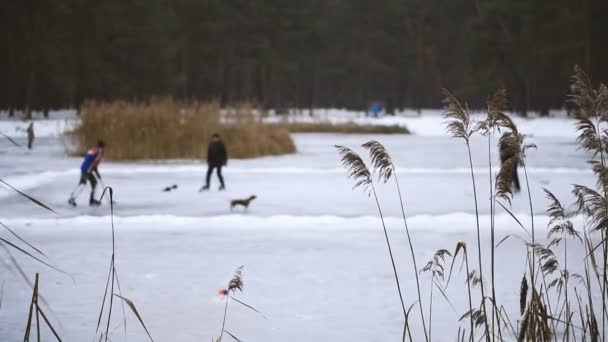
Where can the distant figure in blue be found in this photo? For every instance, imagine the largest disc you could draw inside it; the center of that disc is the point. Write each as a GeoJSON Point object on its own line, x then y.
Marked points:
{"type": "Point", "coordinates": [375, 108]}
{"type": "Point", "coordinates": [88, 171]}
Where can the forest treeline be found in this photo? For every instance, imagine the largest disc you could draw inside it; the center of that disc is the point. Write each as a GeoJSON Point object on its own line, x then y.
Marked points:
{"type": "Point", "coordinates": [313, 53]}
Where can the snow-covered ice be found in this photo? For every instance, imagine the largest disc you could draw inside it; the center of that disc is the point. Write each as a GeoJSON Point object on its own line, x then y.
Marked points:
{"type": "Point", "coordinates": [315, 258]}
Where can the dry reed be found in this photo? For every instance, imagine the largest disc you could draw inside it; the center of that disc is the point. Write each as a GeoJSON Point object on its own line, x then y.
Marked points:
{"type": "Point", "coordinates": [235, 284]}
{"type": "Point", "coordinates": [35, 312]}
{"type": "Point", "coordinates": [382, 164]}
{"type": "Point", "coordinates": [573, 317]}
{"type": "Point", "coordinates": [163, 128]}
{"type": "Point", "coordinates": [358, 171]}
{"type": "Point", "coordinates": [346, 128]}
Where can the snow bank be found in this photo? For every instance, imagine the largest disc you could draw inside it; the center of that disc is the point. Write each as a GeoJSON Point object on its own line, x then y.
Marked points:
{"type": "Point", "coordinates": [457, 222]}
{"type": "Point", "coordinates": [337, 170]}
{"type": "Point", "coordinates": [128, 169]}
{"type": "Point", "coordinates": [28, 181]}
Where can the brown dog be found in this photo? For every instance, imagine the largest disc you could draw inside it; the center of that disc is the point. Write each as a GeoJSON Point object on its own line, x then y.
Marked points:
{"type": "Point", "coordinates": [242, 202]}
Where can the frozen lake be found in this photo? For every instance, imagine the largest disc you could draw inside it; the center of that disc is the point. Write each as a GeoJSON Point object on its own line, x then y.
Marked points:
{"type": "Point", "coordinates": [314, 253]}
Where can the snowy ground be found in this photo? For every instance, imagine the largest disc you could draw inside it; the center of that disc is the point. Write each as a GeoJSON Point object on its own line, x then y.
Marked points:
{"type": "Point", "coordinates": [315, 258]}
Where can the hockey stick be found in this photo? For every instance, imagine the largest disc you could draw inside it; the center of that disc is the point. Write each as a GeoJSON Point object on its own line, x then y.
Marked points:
{"type": "Point", "coordinates": [103, 186]}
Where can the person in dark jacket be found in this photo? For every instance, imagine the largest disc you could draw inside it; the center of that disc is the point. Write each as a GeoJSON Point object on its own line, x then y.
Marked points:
{"type": "Point", "coordinates": [217, 157]}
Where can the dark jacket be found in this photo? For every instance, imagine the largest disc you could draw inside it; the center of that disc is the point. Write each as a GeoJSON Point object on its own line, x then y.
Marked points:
{"type": "Point", "coordinates": [216, 154]}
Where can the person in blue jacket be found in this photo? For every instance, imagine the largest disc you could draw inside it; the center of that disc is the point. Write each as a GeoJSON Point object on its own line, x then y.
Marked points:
{"type": "Point", "coordinates": [88, 171]}
{"type": "Point", "coordinates": [376, 108]}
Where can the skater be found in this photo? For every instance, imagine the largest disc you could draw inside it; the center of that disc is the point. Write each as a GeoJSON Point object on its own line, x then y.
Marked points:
{"type": "Point", "coordinates": [217, 157]}
{"type": "Point", "coordinates": [30, 136]}
{"type": "Point", "coordinates": [88, 171]}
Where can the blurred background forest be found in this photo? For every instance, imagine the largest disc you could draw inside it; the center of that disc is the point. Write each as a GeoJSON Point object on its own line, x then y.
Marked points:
{"type": "Point", "coordinates": [313, 53]}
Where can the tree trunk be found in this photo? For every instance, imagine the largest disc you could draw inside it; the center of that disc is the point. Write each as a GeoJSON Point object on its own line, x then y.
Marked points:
{"type": "Point", "coordinates": [28, 95]}
{"type": "Point", "coordinates": [587, 35]}
{"type": "Point", "coordinates": [524, 104]}
{"type": "Point", "coordinates": [389, 106]}
{"type": "Point", "coordinates": [184, 72]}
{"type": "Point", "coordinates": [224, 91]}
{"type": "Point", "coordinates": [313, 90]}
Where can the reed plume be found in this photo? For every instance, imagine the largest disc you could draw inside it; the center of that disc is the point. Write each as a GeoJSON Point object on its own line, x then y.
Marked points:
{"type": "Point", "coordinates": [535, 324]}
{"type": "Point", "coordinates": [495, 119]}
{"type": "Point", "coordinates": [235, 284]}
{"type": "Point", "coordinates": [436, 266]}
{"type": "Point", "coordinates": [591, 112]}
{"type": "Point", "coordinates": [457, 117]}
{"type": "Point", "coordinates": [559, 224]}
{"type": "Point", "coordinates": [381, 160]}
{"type": "Point", "coordinates": [355, 168]}
{"type": "Point", "coordinates": [462, 246]}
{"type": "Point", "coordinates": [523, 294]}
{"type": "Point", "coordinates": [513, 148]}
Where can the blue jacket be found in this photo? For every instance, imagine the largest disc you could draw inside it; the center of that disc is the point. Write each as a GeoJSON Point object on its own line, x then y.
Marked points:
{"type": "Point", "coordinates": [92, 159]}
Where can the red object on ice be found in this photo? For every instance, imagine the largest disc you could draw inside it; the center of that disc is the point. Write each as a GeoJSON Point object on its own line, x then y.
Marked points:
{"type": "Point", "coordinates": [222, 292]}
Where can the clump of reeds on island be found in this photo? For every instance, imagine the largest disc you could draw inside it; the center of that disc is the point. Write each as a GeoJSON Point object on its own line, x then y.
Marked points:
{"type": "Point", "coordinates": [343, 127]}
{"type": "Point", "coordinates": [164, 128]}
{"type": "Point", "coordinates": [555, 303]}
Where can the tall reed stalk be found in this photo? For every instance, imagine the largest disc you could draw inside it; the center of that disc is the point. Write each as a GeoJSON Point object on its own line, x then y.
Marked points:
{"type": "Point", "coordinates": [496, 106]}
{"type": "Point", "coordinates": [384, 166]}
{"type": "Point", "coordinates": [492, 240]}
{"type": "Point", "coordinates": [560, 230]}
{"type": "Point", "coordinates": [436, 267]}
{"type": "Point", "coordinates": [590, 111]}
{"type": "Point", "coordinates": [359, 172]}
{"type": "Point", "coordinates": [459, 125]}
{"type": "Point", "coordinates": [111, 281]}
{"type": "Point", "coordinates": [513, 148]}
{"type": "Point", "coordinates": [462, 246]}
{"type": "Point", "coordinates": [466, 261]}
{"type": "Point", "coordinates": [235, 284]}
{"type": "Point", "coordinates": [36, 309]}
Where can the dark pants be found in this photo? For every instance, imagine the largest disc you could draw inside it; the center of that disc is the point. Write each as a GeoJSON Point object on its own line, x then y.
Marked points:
{"type": "Point", "coordinates": [91, 178]}
{"type": "Point", "coordinates": [219, 174]}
